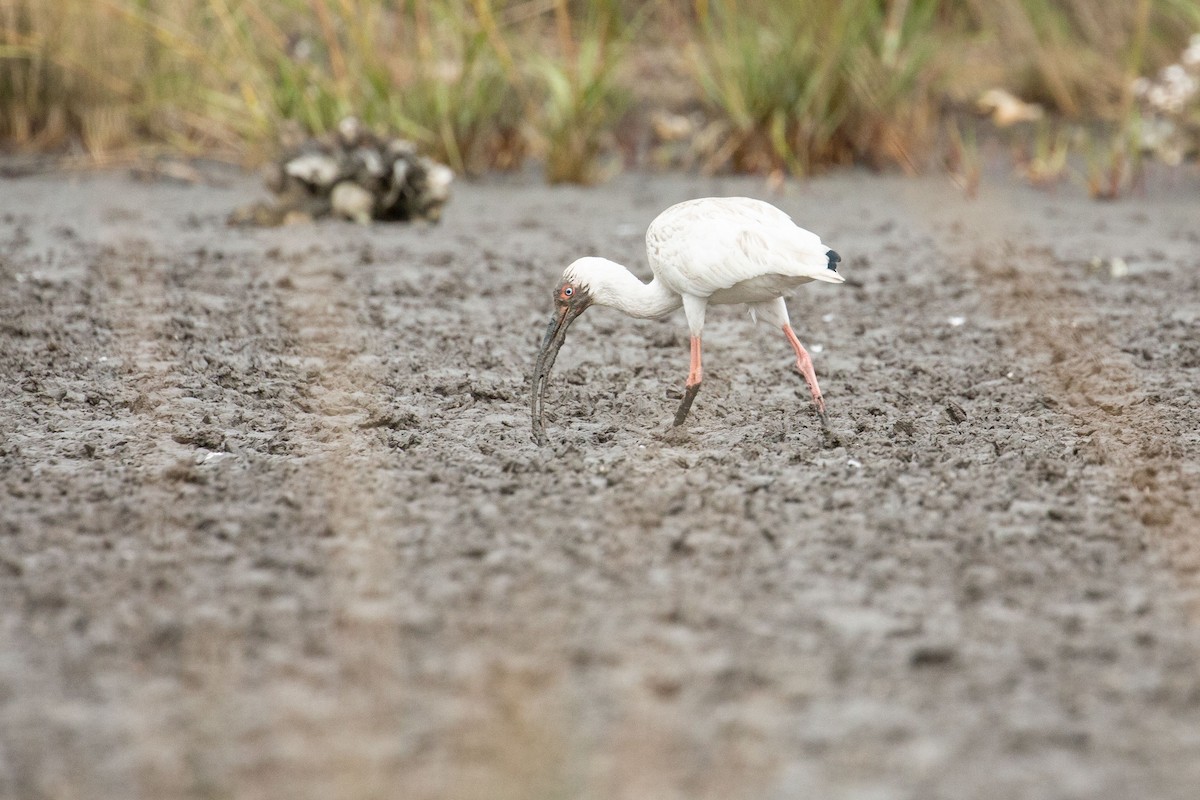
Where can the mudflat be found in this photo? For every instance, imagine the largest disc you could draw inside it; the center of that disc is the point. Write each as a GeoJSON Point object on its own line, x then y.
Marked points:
{"type": "Point", "coordinates": [272, 524]}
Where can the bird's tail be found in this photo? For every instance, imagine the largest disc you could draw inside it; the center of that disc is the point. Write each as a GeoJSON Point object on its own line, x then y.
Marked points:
{"type": "Point", "coordinates": [830, 273]}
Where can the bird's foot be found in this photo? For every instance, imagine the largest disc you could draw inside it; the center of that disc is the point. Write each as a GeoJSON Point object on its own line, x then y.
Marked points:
{"type": "Point", "coordinates": [675, 435]}
{"type": "Point", "coordinates": [685, 405]}
{"type": "Point", "coordinates": [819, 402]}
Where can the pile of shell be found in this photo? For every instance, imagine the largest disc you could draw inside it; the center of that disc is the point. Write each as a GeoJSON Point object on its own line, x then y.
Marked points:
{"type": "Point", "coordinates": [1006, 109]}
{"type": "Point", "coordinates": [1170, 106]}
{"type": "Point", "coordinates": [354, 174]}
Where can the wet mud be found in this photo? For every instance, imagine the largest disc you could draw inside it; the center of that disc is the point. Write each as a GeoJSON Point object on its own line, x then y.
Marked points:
{"type": "Point", "coordinates": [272, 523]}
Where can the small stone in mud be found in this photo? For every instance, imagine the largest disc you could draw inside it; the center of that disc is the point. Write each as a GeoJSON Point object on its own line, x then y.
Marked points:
{"type": "Point", "coordinates": [955, 412]}
{"type": "Point", "coordinates": [932, 655]}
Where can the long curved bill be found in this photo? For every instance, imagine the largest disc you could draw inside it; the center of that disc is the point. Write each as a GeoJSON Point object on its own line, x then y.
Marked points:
{"type": "Point", "coordinates": [556, 334]}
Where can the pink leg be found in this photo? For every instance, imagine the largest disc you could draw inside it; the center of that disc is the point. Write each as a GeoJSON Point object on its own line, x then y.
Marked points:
{"type": "Point", "coordinates": [695, 375]}
{"type": "Point", "coordinates": [805, 365]}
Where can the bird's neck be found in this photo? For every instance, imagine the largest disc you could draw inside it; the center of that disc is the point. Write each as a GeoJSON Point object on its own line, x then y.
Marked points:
{"type": "Point", "coordinates": [623, 291]}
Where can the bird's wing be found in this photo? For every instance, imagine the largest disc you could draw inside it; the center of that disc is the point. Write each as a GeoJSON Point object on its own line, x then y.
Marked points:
{"type": "Point", "coordinates": [703, 246]}
{"type": "Point", "coordinates": [724, 258]}
{"type": "Point", "coordinates": [794, 252]}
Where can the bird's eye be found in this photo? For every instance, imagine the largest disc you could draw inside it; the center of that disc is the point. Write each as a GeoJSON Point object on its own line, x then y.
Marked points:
{"type": "Point", "coordinates": [568, 291]}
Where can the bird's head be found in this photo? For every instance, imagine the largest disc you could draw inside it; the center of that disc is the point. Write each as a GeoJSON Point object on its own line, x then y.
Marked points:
{"type": "Point", "coordinates": [572, 296]}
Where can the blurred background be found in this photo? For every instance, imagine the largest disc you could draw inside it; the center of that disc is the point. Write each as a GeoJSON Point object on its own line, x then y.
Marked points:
{"type": "Point", "coordinates": [587, 88]}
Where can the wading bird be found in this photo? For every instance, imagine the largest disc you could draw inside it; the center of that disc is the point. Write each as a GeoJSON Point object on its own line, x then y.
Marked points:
{"type": "Point", "coordinates": [715, 250]}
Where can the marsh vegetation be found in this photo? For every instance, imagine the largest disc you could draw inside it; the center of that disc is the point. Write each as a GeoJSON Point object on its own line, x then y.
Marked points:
{"type": "Point", "coordinates": [774, 86]}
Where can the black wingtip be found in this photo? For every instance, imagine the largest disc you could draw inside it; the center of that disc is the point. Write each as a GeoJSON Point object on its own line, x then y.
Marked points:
{"type": "Point", "coordinates": [834, 258]}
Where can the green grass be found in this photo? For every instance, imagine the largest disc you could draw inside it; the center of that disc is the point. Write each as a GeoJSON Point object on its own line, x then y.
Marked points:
{"type": "Point", "coordinates": [837, 83]}
{"type": "Point", "coordinates": [581, 98]}
{"type": "Point", "coordinates": [1076, 56]}
{"type": "Point", "coordinates": [783, 85]}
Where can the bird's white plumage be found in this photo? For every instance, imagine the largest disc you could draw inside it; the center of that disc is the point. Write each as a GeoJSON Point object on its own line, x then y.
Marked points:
{"type": "Point", "coordinates": [720, 250]}
{"type": "Point", "coordinates": [734, 250]}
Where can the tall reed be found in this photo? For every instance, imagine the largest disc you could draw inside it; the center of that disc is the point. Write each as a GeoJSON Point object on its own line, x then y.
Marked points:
{"type": "Point", "coordinates": [581, 99]}
{"type": "Point", "coordinates": [832, 83]}
{"type": "Point", "coordinates": [784, 85]}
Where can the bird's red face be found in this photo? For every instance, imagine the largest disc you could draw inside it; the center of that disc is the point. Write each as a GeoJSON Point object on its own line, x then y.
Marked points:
{"type": "Point", "coordinates": [570, 300]}
{"type": "Point", "coordinates": [567, 293]}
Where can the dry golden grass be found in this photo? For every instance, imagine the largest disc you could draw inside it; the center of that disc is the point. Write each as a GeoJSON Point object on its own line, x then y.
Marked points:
{"type": "Point", "coordinates": [787, 85]}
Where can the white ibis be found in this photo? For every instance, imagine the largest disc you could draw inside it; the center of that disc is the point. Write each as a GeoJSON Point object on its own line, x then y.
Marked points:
{"type": "Point", "coordinates": [717, 250]}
